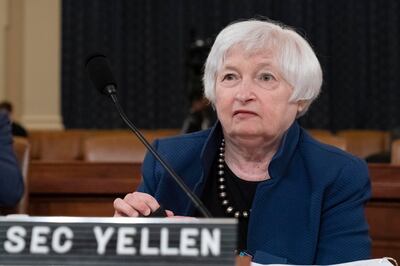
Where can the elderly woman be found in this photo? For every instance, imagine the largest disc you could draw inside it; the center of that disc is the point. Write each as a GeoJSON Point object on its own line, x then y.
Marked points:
{"type": "Point", "coordinates": [298, 201]}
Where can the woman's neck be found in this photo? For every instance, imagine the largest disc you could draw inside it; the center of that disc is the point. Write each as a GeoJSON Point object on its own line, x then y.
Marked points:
{"type": "Point", "coordinates": [249, 159]}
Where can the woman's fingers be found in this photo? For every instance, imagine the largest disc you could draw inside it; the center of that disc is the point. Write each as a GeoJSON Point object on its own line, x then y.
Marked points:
{"type": "Point", "coordinates": [134, 204]}
{"type": "Point", "coordinates": [122, 208]}
{"type": "Point", "coordinates": [169, 213]}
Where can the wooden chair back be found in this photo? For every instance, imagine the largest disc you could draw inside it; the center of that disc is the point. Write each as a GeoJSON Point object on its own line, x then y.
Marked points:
{"type": "Point", "coordinates": [363, 143]}
{"type": "Point", "coordinates": [395, 152]}
{"type": "Point", "coordinates": [333, 140]}
{"type": "Point", "coordinates": [113, 148]}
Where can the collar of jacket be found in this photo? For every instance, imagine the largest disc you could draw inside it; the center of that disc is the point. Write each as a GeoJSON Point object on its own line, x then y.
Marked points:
{"type": "Point", "coordinates": [279, 162]}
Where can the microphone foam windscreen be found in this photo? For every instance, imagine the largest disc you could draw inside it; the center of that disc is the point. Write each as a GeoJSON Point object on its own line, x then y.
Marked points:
{"type": "Point", "coordinates": [99, 72]}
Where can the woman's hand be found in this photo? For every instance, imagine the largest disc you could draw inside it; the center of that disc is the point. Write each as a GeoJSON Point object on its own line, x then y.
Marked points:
{"type": "Point", "coordinates": [136, 204]}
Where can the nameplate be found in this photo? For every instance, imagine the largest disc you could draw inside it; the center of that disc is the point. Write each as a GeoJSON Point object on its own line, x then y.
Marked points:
{"type": "Point", "coordinates": [116, 241]}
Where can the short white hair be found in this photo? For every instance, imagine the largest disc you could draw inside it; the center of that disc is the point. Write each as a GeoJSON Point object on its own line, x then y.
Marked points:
{"type": "Point", "coordinates": [298, 63]}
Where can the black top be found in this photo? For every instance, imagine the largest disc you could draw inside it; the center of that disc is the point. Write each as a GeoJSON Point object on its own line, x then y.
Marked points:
{"type": "Point", "coordinates": [18, 130]}
{"type": "Point", "coordinates": [239, 192]}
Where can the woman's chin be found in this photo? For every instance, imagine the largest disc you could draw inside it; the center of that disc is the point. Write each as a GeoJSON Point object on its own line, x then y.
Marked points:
{"type": "Point", "coordinates": [246, 132]}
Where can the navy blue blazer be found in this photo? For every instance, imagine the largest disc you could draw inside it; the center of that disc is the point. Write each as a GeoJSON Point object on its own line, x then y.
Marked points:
{"type": "Point", "coordinates": [311, 211]}
{"type": "Point", "coordinates": [11, 182]}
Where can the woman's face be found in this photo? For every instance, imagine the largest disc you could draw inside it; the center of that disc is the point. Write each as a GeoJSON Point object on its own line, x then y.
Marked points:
{"type": "Point", "coordinates": [252, 98]}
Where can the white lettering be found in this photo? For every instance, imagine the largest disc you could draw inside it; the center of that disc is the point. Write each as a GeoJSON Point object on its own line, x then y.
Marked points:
{"type": "Point", "coordinates": [164, 240]}
{"type": "Point", "coordinates": [102, 238]}
{"type": "Point", "coordinates": [210, 243]}
{"type": "Point", "coordinates": [125, 241]}
{"type": "Point", "coordinates": [56, 240]}
{"type": "Point", "coordinates": [144, 243]}
{"type": "Point", "coordinates": [38, 240]}
{"type": "Point", "coordinates": [15, 242]}
{"type": "Point", "coordinates": [187, 242]}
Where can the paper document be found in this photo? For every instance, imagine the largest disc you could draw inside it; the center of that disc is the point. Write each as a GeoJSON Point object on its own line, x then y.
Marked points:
{"type": "Point", "coordinates": [372, 262]}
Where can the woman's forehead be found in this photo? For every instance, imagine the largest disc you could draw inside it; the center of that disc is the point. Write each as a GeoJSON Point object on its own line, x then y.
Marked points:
{"type": "Point", "coordinates": [236, 53]}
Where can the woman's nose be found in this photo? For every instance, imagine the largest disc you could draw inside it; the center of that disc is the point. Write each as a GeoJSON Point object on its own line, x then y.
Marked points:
{"type": "Point", "coordinates": [245, 91]}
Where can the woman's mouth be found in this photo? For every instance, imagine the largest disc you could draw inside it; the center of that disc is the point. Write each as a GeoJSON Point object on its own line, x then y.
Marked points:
{"type": "Point", "coordinates": [244, 113]}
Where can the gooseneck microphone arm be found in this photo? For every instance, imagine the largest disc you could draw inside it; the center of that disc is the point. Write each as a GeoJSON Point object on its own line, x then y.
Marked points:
{"type": "Point", "coordinates": [101, 76]}
{"type": "Point", "coordinates": [198, 204]}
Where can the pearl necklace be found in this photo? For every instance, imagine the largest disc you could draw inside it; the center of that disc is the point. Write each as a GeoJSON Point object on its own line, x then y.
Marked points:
{"type": "Point", "coordinates": [230, 210]}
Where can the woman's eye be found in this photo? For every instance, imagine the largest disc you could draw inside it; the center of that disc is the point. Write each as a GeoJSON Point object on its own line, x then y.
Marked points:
{"type": "Point", "coordinates": [266, 77]}
{"type": "Point", "coordinates": [228, 77]}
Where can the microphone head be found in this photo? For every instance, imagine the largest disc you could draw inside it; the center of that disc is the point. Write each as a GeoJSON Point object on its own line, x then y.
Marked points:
{"type": "Point", "coordinates": [100, 74]}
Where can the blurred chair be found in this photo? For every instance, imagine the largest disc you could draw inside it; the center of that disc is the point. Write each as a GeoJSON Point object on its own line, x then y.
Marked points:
{"type": "Point", "coordinates": [152, 135]}
{"type": "Point", "coordinates": [319, 132]}
{"type": "Point", "coordinates": [333, 140]}
{"type": "Point", "coordinates": [327, 137]}
{"type": "Point", "coordinates": [395, 153]}
{"type": "Point", "coordinates": [364, 143]}
{"type": "Point", "coordinates": [63, 145]}
{"type": "Point", "coordinates": [21, 150]}
{"type": "Point", "coordinates": [113, 148]}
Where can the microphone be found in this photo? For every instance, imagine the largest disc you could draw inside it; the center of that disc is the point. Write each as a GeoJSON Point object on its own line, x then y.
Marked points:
{"type": "Point", "coordinates": [102, 78]}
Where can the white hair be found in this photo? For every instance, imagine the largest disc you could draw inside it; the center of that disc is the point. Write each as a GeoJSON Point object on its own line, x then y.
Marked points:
{"type": "Point", "coordinates": [298, 63]}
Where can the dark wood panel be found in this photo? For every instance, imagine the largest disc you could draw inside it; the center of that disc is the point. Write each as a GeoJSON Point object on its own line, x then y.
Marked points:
{"type": "Point", "coordinates": [384, 223]}
{"type": "Point", "coordinates": [382, 249]}
{"type": "Point", "coordinates": [100, 205]}
{"type": "Point", "coordinates": [383, 210]}
{"type": "Point", "coordinates": [385, 180]}
{"type": "Point", "coordinates": [384, 220]}
{"type": "Point", "coordinates": [83, 178]}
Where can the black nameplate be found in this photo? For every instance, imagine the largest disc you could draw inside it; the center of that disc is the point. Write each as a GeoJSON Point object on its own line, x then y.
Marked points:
{"type": "Point", "coordinates": [116, 241]}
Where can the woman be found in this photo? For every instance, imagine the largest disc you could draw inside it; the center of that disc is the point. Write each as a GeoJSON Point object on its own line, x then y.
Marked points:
{"type": "Point", "coordinates": [298, 201]}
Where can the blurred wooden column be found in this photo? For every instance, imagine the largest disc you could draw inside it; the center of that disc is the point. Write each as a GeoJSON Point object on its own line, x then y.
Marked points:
{"type": "Point", "coordinates": [13, 56]}
{"type": "Point", "coordinates": [3, 26]}
{"type": "Point", "coordinates": [33, 61]}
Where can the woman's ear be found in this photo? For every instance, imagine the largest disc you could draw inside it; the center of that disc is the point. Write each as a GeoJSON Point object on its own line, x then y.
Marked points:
{"type": "Point", "coordinates": [301, 105]}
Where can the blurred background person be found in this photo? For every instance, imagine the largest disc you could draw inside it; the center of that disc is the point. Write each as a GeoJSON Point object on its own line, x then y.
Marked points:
{"type": "Point", "coordinates": [11, 182]}
{"type": "Point", "coordinates": [17, 129]}
{"type": "Point", "coordinates": [201, 115]}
